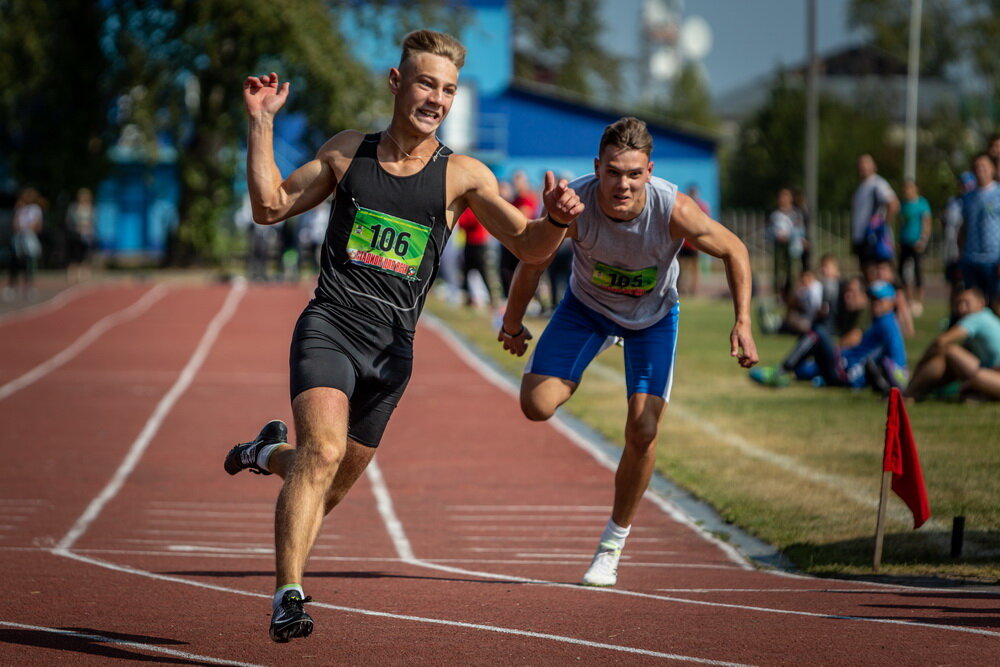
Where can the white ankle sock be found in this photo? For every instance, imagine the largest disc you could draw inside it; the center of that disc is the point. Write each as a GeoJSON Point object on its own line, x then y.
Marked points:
{"type": "Point", "coordinates": [615, 534]}
{"type": "Point", "coordinates": [280, 593]}
{"type": "Point", "coordinates": [264, 453]}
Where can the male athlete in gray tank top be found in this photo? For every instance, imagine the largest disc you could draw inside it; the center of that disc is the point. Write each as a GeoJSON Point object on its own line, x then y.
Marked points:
{"type": "Point", "coordinates": [624, 284]}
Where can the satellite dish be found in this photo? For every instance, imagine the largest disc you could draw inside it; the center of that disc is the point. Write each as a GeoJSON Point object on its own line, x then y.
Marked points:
{"type": "Point", "coordinates": [696, 38]}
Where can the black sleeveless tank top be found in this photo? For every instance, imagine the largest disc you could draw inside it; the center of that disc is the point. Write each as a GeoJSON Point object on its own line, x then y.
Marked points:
{"type": "Point", "coordinates": [383, 246]}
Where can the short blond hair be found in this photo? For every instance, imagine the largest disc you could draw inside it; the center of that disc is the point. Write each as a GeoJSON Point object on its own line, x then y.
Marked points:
{"type": "Point", "coordinates": [627, 133]}
{"type": "Point", "coordinates": [436, 43]}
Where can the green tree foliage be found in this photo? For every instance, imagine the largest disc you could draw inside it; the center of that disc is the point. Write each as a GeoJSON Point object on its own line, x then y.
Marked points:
{"type": "Point", "coordinates": [180, 66]}
{"type": "Point", "coordinates": [558, 42]}
{"type": "Point", "coordinates": [888, 21]}
{"type": "Point", "coordinates": [769, 150]}
{"type": "Point", "coordinates": [952, 32]}
{"type": "Point", "coordinates": [52, 103]}
{"type": "Point", "coordinates": [691, 100]}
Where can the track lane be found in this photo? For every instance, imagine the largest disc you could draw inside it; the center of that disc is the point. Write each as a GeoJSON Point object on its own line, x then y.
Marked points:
{"type": "Point", "coordinates": [417, 610]}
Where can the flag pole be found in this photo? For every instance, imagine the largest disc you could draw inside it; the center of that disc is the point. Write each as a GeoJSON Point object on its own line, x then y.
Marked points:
{"type": "Point", "coordinates": [880, 522]}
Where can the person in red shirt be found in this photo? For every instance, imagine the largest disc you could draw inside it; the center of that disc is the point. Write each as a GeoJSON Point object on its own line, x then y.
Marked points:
{"type": "Point", "coordinates": [524, 200]}
{"type": "Point", "coordinates": [474, 258]}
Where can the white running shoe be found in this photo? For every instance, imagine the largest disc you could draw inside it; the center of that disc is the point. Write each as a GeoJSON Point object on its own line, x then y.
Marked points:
{"type": "Point", "coordinates": [603, 570]}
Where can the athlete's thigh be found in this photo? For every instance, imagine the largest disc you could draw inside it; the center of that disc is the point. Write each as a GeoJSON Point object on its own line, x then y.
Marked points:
{"type": "Point", "coordinates": [649, 357]}
{"type": "Point", "coordinates": [572, 338]}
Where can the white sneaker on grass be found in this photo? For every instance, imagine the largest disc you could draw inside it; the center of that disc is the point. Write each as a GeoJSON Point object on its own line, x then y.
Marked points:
{"type": "Point", "coordinates": [603, 570]}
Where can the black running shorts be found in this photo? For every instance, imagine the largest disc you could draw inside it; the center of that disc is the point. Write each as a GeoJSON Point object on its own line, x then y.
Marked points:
{"type": "Point", "coordinates": [331, 350]}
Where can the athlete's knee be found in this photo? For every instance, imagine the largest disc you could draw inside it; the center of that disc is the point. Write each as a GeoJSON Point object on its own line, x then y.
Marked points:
{"type": "Point", "coordinates": [319, 459]}
{"type": "Point", "coordinates": [535, 410]}
{"type": "Point", "coordinates": [641, 433]}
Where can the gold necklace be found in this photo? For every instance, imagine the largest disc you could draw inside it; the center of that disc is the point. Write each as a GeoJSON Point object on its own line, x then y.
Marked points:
{"type": "Point", "coordinates": [408, 156]}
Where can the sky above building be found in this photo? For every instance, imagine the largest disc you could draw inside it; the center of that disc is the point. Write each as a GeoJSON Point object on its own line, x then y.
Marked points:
{"type": "Point", "coordinates": [750, 38]}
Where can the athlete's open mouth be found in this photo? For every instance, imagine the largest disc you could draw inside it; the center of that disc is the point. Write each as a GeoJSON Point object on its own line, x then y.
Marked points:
{"type": "Point", "coordinates": [430, 115]}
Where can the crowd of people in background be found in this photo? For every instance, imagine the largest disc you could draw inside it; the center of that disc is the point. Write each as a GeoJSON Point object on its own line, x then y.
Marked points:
{"type": "Point", "coordinates": [823, 309]}
{"type": "Point", "coordinates": [889, 238]}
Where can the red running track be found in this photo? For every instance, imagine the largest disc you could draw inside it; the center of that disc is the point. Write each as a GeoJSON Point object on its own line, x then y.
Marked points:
{"type": "Point", "coordinates": [121, 538]}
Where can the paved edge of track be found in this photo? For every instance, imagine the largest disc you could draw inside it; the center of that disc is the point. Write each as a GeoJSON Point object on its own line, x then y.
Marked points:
{"type": "Point", "coordinates": [674, 500]}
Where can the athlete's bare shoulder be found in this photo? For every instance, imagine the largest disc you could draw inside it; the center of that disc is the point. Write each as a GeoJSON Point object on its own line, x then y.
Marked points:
{"type": "Point", "coordinates": [340, 149]}
{"type": "Point", "coordinates": [466, 173]}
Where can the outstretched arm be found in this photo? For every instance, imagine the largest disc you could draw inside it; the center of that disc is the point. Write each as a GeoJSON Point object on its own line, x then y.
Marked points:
{"type": "Point", "coordinates": [513, 334]}
{"type": "Point", "coordinates": [688, 221]}
{"type": "Point", "coordinates": [532, 241]}
{"type": "Point", "coordinates": [273, 199]}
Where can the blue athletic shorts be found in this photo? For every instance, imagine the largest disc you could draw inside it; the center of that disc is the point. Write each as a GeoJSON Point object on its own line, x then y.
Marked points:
{"type": "Point", "coordinates": [576, 334]}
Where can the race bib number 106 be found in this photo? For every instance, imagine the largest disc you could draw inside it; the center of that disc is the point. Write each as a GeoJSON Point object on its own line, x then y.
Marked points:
{"type": "Point", "coordinates": [386, 243]}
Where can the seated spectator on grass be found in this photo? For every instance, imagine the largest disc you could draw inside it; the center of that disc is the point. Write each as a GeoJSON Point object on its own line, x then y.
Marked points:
{"type": "Point", "coordinates": [966, 357]}
{"type": "Point", "coordinates": [878, 360]}
{"type": "Point", "coordinates": [804, 305]}
{"type": "Point", "coordinates": [883, 270]}
{"type": "Point", "coordinates": [839, 318]}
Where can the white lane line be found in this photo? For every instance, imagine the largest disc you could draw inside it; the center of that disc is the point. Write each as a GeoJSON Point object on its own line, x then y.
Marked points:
{"type": "Point", "coordinates": [47, 306]}
{"type": "Point", "coordinates": [550, 538]}
{"type": "Point", "coordinates": [787, 590]}
{"type": "Point", "coordinates": [405, 552]}
{"type": "Point", "coordinates": [532, 518]}
{"type": "Point", "coordinates": [96, 330]}
{"type": "Point", "coordinates": [152, 648]}
{"type": "Point", "coordinates": [214, 505]}
{"type": "Point", "coordinates": [209, 514]}
{"type": "Point", "coordinates": [403, 617]}
{"type": "Point", "coordinates": [511, 509]}
{"type": "Point", "coordinates": [499, 381]}
{"type": "Point", "coordinates": [163, 408]}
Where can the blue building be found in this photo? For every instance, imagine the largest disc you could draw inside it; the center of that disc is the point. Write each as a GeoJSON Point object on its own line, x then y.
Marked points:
{"type": "Point", "coordinates": [512, 125]}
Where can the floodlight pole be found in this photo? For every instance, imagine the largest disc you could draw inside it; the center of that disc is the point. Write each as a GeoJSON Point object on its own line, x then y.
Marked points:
{"type": "Point", "coordinates": [912, 83]}
{"type": "Point", "coordinates": [812, 116]}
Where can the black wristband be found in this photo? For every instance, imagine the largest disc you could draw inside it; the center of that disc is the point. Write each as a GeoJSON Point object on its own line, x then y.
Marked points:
{"type": "Point", "coordinates": [511, 335]}
{"type": "Point", "coordinates": [554, 223]}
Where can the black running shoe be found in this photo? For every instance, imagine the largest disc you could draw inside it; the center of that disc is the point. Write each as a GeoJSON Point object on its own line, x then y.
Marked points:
{"type": "Point", "coordinates": [244, 456]}
{"type": "Point", "coordinates": [289, 620]}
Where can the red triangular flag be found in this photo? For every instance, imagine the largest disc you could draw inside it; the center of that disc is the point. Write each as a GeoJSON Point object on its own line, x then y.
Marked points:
{"type": "Point", "coordinates": [901, 460]}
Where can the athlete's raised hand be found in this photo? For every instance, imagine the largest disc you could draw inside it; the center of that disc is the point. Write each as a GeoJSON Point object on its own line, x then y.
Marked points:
{"type": "Point", "coordinates": [264, 95]}
{"type": "Point", "coordinates": [561, 201]}
{"type": "Point", "coordinates": [517, 343]}
{"type": "Point", "coordinates": [743, 346]}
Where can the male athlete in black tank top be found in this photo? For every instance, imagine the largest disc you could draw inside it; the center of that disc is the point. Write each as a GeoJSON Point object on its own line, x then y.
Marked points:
{"type": "Point", "coordinates": [396, 195]}
{"type": "Point", "coordinates": [380, 257]}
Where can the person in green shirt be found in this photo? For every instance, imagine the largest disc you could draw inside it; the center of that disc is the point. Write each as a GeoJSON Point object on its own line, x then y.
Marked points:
{"type": "Point", "coordinates": [914, 232]}
{"type": "Point", "coordinates": [968, 352]}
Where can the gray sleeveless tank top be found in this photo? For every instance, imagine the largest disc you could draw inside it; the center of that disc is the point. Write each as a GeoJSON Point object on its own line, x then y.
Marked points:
{"type": "Point", "coordinates": [626, 271]}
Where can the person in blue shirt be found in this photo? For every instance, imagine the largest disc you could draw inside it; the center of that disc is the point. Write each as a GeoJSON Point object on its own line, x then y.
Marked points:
{"type": "Point", "coordinates": [878, 360]}
{"type": "Point", "coordinates": [980, 235]}
{"type": "Point", "coordinates": [968, 352]}
{"type": "Point", "coordinates": [914, 232]}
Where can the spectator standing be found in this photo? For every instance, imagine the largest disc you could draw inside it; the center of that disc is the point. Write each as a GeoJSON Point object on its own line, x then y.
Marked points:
{"type": "Point", "coordinates": [785, 231]}
{"type": "Point", "coordinates": [914, 232]}
{"type": "Point", "coordinates": [980, 235]}
{"type": "Point", "coordinates": [951, 225]}
{"type": "Point", "coordinates": [526, 201]}
{"type": "Point", "coordinates": [688, 257]}
{"type": "Point", "coordinates": [874, 202]}
{"type": "Point", "coordinates": [474, 256]}
{"type": "Point", "coordinates": [802, 206]}
{"type": "Point", "coordinates": [26, 249]}
{"type": "Point", "coordinates": [80, 226]}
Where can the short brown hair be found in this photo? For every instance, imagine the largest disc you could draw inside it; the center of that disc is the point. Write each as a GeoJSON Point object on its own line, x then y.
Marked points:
{"type": "Point", "coordinates": [628, 133]}
{"type": "Point", "coordinates": [436, 43]}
